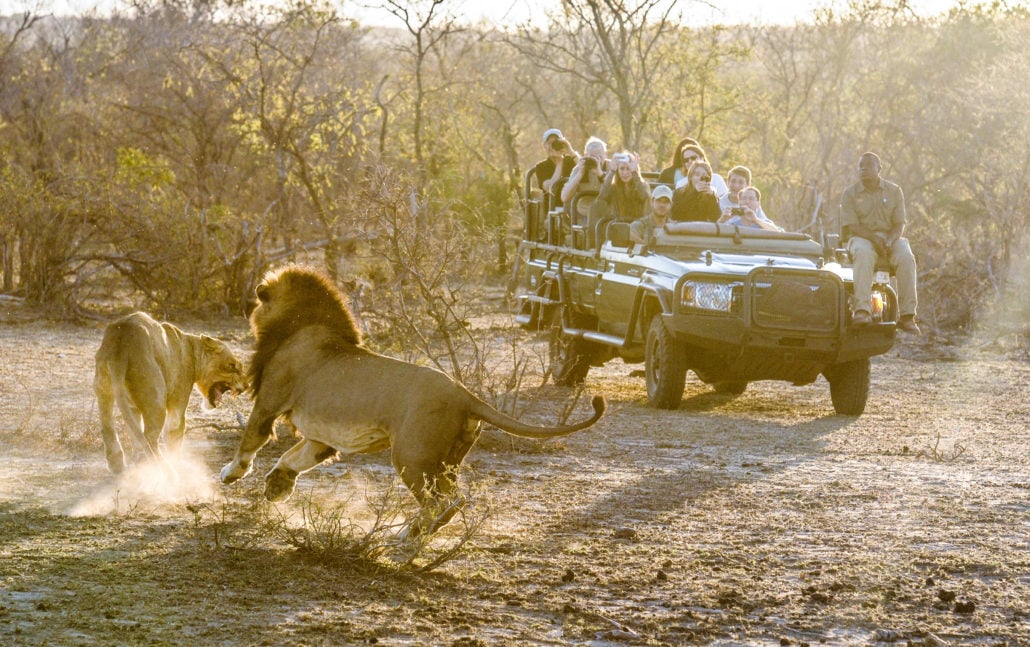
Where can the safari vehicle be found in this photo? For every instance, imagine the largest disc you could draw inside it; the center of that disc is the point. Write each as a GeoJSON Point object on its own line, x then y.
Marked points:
{"type": "Point", "coordinates": [734, 305]}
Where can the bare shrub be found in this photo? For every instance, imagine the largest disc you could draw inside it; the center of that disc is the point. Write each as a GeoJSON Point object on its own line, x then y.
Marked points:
{"type": "Point", "coordinates": [429, 300]}
{"type": "Point", "coordinates": [229, 524]}
{"type": "Point", "coordinates": [360, 528]}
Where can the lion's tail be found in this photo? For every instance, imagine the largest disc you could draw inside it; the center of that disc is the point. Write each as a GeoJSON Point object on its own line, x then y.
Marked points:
{"type": "Point", "coordinates": [504, 422]}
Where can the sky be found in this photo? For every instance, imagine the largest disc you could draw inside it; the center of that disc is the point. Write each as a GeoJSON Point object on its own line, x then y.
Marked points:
{"type": "Point", "coordinates": [510, 12]}
{"type": "Point", "coordinates": [705, 11]}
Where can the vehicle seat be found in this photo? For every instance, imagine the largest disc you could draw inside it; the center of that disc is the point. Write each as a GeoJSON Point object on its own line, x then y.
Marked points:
{"type": "Point", "coordinates": [597, 215]}
{"type": "Point", "coordinates": [580, 207]}
{"type": "Point", "coordinates": [601, 231]}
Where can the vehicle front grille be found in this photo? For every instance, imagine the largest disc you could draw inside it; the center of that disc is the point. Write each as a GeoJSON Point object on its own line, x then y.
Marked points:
{"type": "Point", "coordinates": [793, 300]}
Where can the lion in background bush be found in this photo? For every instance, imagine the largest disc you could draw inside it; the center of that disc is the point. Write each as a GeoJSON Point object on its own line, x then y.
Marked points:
{"type": "Point", "coordinates": [343, 398]}
{"type": "Point", "coordinates": [148, 369]}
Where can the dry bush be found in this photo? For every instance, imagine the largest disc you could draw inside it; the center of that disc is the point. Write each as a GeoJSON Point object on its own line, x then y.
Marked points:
{"type": "Point", "coordinates": [423, 292]}
{"type": "Point", "coordinates": [356, 529]}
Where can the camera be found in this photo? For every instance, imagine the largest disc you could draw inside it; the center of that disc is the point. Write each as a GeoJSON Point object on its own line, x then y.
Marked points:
{"type": "Point", "coordinates": [558, 144]}
{"type": "Point", "coordinates": [737, 211]}
{"type": "Point", "coordinates": [589, 163]}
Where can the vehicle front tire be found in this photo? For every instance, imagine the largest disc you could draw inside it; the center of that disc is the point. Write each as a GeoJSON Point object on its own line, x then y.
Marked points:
{"type": "Point", "coordinates": [665, 367]}
{"type": "Point", "coordinates": [569, 356]}
{"type": "Point", "coordinates": [849, 386]}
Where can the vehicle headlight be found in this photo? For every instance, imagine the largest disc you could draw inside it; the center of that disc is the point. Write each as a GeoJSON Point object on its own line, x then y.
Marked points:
{"type": "Point", "coordinates": [707, 295]}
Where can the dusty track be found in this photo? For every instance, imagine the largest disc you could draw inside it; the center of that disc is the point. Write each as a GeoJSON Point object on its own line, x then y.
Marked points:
{"type": "Point", "coordinates": [763, 519]}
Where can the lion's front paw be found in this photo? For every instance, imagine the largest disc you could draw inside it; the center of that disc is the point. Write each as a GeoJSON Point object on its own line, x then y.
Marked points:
{"type": "Point", "coordinates": [279, 484]}
{"type": "Point", "coordinates": [234, 472]}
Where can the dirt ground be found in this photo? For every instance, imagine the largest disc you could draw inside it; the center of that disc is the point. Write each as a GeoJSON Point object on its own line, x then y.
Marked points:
{"type": "Point", "coordinates": [758, 520]}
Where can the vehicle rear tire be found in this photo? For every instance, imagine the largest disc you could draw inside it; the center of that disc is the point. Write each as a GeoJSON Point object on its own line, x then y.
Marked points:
{"type": "Point", "coordinates": [569, 356]}
{"type": "Point", "coordinates": [665, 367]}
{"type": "Point", "coordinates": [849, 386]}
{"type": "Point", "coordinates": [730, 388]}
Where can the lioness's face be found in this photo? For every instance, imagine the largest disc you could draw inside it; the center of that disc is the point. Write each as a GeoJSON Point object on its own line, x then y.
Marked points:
{"type": "Point", "coordinates": [220, 372]}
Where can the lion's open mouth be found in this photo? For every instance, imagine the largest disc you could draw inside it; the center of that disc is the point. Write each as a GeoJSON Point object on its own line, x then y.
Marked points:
{"type": "Point", "coordinates": [215, 393]}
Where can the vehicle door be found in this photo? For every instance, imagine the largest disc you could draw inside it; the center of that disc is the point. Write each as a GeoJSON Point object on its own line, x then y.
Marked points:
{"type": "Point", "coordinates": [615, 288]}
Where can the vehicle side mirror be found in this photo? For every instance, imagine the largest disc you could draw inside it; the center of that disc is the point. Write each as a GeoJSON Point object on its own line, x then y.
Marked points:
{"type": "Point", "coordinates": [618, 233]}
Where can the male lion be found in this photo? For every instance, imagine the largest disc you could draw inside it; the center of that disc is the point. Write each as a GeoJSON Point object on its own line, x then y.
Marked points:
{"type": "Point", "coordinates": [149, 368]}
{"type": "Point", "coordinates": [343, 398]}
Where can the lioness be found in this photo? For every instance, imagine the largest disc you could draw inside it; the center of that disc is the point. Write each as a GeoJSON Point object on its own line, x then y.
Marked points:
{"type": "Point", "coordinates": [309, 363]}
{"type": "Point", "coordinates": [148, 368]}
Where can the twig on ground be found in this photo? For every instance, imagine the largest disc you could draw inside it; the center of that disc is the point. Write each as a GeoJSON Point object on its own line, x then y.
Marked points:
{"type": "Point", "coordinates": [939, 455]}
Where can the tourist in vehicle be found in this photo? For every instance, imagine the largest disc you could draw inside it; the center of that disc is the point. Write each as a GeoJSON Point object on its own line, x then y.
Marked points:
{"type": "Point", "coordinates": [624, 190]}
{"type": "Point", "coordinates": [737, 180]}
{"type": "Point", "coordinates": [872, 217]}
{"type": "Point", "coordinates": [556, 166]}
{"type": "Point", "coordinates": [642, 230]}
{"type": "Point", "coordinates": [748, 213]}
{"type": "Point", "coordinates": [677, 177]}
{"type": "Point", "coordinates": [696, 200]}
{"type": "Point", "coordinates": [589, 172]}
{"type": "Point", "coordinates": [677, 168]}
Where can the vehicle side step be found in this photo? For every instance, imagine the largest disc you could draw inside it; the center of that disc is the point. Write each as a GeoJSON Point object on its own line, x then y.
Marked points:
{"type": "Point", "coordinates": [594, 336]}
{"type": "Point", "coordinates": [533, 298]}
{"type": "Point", "coordinates": [526, 309]}
{"type": "Point", "coordinates": [602, 338]}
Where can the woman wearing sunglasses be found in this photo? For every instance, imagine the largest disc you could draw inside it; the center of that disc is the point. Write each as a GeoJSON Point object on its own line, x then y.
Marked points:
{"type": "Point", "coordinates": [688, 152]}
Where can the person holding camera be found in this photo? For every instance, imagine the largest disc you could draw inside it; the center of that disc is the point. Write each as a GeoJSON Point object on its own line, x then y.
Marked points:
{"type": "Point", "coordinates": [738, 179]}
{"type": "Point", "coordinates": [556, 166]}
{"type": "Point", "coordinates": [624, 189]}
{"type": "Point", "coordinates": [872, 216]}
{"type": "Point", "coordinates": [749, 212]}
{"type": "Point", "coordinates": [589, 171]}
{"type": "Point", "coordinates": [689, 151]}
{"type": "Point", "coordinates": [696, 201]}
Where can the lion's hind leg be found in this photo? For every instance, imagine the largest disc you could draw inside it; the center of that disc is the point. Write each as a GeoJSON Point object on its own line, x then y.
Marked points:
{"type": "Point", "coordinates": [436, 491]}
{"type": "Point", "coordinates": [105, 404]}
{"type": "Point", "coordinates": [143, 407]}
{"type": "Point", "coordinates": [433, 480]}
{"type": "Point", "coordinates": [305, 455]}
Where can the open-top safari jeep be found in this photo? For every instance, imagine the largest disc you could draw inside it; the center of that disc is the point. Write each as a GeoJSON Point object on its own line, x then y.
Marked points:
{"type": "Point", "coordinates": [732, 304]}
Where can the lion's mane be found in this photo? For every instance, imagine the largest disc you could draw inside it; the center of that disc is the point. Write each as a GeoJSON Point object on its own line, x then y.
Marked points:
{"type": "Point", "coordinates": [293, 298]}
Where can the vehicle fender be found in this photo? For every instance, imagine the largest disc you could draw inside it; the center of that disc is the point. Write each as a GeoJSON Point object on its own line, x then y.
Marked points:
{"type": "Point", "coordinates": [648, 302]}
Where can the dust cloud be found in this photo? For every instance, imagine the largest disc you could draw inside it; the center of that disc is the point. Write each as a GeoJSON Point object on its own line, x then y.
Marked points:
{"type": "Point", "coordinates": [147, 485]}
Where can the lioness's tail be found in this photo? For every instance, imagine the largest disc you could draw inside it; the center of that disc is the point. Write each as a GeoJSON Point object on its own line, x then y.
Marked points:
{"type": "Point", "coordinates": [504, 422]}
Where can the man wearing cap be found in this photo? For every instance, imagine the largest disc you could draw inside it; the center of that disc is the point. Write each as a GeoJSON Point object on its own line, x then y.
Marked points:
{"type": "Point", "coordinates": [872, 216]}
{"type": "Point", "coordinates": [557, 165]}
{"type": "Point", "coordinates": [642, 230]}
